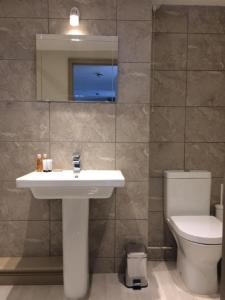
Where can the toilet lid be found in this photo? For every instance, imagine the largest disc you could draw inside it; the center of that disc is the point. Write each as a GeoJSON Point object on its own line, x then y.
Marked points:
{"type": "Point", "coordinates": [198, 229]}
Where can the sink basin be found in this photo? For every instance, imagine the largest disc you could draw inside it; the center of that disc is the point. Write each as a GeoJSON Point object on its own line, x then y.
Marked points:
{"type": "Point", "coordinates": [75, 192]}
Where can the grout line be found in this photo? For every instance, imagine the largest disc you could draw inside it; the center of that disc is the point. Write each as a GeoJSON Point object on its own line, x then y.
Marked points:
{"type": "Point", "coordinates": [186, 91]}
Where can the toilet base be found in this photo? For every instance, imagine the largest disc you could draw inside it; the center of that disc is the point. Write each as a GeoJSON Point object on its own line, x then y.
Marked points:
{"type": "Point", "coordinates": [198, 279]}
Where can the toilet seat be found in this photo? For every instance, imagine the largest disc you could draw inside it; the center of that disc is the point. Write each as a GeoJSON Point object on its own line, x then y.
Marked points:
{"type": "Point", "coordinates": [199, 229]}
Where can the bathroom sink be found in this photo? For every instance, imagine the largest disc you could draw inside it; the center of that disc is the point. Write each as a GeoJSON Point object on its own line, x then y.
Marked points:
{"type": "Point", "coordinates": [75, 192]}
{"type": "Point", "coordinates": [64, 184]}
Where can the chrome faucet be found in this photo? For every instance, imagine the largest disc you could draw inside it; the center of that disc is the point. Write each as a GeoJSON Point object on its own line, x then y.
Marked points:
{"type": "Point", "coordinates": [76, 163]}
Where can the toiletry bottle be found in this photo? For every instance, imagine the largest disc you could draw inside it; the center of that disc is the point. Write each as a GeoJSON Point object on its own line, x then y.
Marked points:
{"type": "Point", "coordinates": [45, 163]}
{"type": "Point", "coordinates": [39, 166]}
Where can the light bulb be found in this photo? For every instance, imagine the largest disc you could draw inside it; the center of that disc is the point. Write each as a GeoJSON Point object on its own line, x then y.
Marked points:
{"type": "Point", "coordinates": [74, 16]}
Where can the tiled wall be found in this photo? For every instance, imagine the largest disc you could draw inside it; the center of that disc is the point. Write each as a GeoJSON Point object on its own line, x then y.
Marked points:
{"type": "Point", "coordinates": [187, 120]}
{"type": "Point", "coordinates": [108, 136]}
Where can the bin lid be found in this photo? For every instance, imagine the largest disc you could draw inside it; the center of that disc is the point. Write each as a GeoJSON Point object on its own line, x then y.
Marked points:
{"type": "Point", "coordinates": [136, 250]}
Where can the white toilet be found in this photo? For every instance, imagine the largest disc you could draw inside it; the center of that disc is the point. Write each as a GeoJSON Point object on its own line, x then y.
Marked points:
{"type": "Point", "coordinates": [198, 235]}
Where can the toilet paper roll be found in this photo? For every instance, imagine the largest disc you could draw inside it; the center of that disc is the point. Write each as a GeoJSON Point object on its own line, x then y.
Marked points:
{"type": "Point", "coordinates": [219, 212]}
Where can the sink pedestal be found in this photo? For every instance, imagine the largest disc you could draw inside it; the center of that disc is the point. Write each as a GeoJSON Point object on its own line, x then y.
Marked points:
{"type": "Point", "coordinates": [75, 247]}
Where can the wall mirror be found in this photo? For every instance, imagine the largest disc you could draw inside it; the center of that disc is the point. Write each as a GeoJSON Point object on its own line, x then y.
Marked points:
{"type": "Point", "coordinates": [76, 68]}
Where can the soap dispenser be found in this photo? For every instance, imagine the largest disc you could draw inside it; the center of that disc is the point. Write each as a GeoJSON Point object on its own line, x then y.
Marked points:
{"type": "Point", "coordinates": [39, 165]}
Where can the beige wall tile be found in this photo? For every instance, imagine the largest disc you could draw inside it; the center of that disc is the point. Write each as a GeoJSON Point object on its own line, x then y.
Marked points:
{"type": "Point", "coordinates": [167, 124]}
{"type": "Point", "coordinates": [22, 75]}
{"type": "Point", "coordinates": [132, 123]}
{"type": "Point", "coordinates": [205, 88]}
{"type": "Point", "coordinates": [206, 52]}
{"type": "Point", "coordinates": [205, 124]}
{"type": "Point", "coordinates": [206, 19]}
{"type": "Point", "coordinates": [135, 41]}
{"type": "Point", "coordinates": [24, 238]}
{"type": "Point", "coordinates": [132, 159]}
{"type": "Point", "coordinates": [56, 238]}
{"type": "Point", "coordinates": [165, 156]}
{"type": "Point", "coordinates": [82, 122]}
{"type": "Point", "coordinates": [102, 208]}
{"type": "Point", "coordinates": [19, 37]}
{"type": "Point", "coordinates": [132, 201]}
{"type": "Point", "coordinates": [171, 19]}
{"type": "Point", "coordinates": [19, 158]}
{"type": "Point", "coordinates": [19, 204]}
{"type": "Point", "coordinates": [96, 9]}
{"type": "Point", "coordinates": [24, 121]}
{"type": "Point", "coordinates": [130, 231]}
{"type": "Point", "coordinates": [93, 155]}
{"type": "Point", "coordinates": [86, 27]}
{"type": "Point", "coordinates": [101, 237]}
{"type": "Point", "coordinates": [134, 83]}
{"type": "Point", "coordinates": [155, 194]}
{"type": "Point", "coordinates": [170, 51]}
{"type": "Point", "coordinates": [155, 229]}
{"type": "Point", "coordinates": [134, 10]}
{"type": "Point", "coordinates": [206, 156]}
{"type": "Point", "coordinates": [24, 8]}
{"type": "Point", "coordinates": [168, 88]}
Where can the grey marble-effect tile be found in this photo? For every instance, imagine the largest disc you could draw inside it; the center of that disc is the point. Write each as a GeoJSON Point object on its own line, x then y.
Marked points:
{"type": "Point", "coordinates": [206, 19]}
{"type": "Point", "coordinates": [165, 156]}
{"type": "Point", "coordinates": [19, 158]}
{"type": "Point", "coordinates": [24, 8]}
{"type": "Point", "coordinates": [205, 156]}
{"type": "Point", "coordinates": [171, 19]}
{"type": "Point", "coordinates": [170, 51]}
{"type": "Point", "coordinates": [24, 121]}
{"type": "Point", "coordinates": [86, 27]}
{"type": "Point", "coordinates": [87, 122]}
{"type": "Point", "coordinates": [132, 201]}
{"type": "Point", "coordinates": [205, 88]}
{"type": "Point", "coordinates": [134, 10]}
{"type": "Point", "coordinates": [205, 124]}
{"type": "Point", "coordinates": [102, 265]}
{"type": "Point", "coordinates": [102, 208]}
{"type": "Point", "coordinates": [168, 88]}
{"type": "Point", "coordinates": [94, 9]}
{"type": "Point", "coordinates": [102, 238]}
{"type": "Point", "coordinates": [155, 229]}
{"type": "Point", "coordinates": [17, 80]}
{"type": "Point", "coordinates": [19, 204]}
{"type": "Point", "coordinates": [132, 159]}
{"type": "Point", "coordinates": [167, 124]}
{"type": "Point", "coordinates": [134, 83]}
{"type": "Point", "coordinates": [132, 122]}
{"type": "Point", "coordinates": [135, 41]}
{"type": "Point", "coordinates": [19, 37]}
{"type": "Point", "coordinates": [130, 231]}
{"type": "Point", "coordinates": [93, 155]}
{"type": "Point", "coordinates": [206, 52]}
{"type": "Point", "coordinates": [155, 194]}
{"type": "Point", "coordinates": [56, 238]}
{"type": "Point", "coordinates": [24, 238]}
{"type": "Point", "coordinates": [56, 209]}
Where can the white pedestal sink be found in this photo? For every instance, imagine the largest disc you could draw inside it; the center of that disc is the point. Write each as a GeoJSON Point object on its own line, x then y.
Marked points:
{"type": "Point", "coordinates": [75, 194]}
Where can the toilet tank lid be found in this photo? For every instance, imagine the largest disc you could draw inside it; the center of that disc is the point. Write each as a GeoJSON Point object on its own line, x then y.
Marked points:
{"type": "Point", "coordinates": [181, 174]}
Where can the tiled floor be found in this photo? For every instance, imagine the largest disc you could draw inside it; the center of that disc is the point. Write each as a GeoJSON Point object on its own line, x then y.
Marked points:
{"type": "Point", "coordinates": [164, 284]}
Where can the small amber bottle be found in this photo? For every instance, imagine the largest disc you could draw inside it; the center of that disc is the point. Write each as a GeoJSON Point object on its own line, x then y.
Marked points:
{"type": "Point", "coordinates": [39, 165]}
